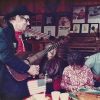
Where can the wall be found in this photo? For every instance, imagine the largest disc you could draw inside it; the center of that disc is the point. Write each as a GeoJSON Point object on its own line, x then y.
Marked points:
{"type": "Point", "coordinates": [42, 6]}
{"type": "Point", "coordinates": [37, 6]}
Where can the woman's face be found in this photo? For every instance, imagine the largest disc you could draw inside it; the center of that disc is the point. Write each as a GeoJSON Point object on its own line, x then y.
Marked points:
{"type": "Point", "coordinates": [51, 53]}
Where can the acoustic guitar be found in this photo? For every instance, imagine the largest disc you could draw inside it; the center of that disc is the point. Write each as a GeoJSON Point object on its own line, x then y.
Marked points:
{"type": "Point", "coordinates": [19, 76]}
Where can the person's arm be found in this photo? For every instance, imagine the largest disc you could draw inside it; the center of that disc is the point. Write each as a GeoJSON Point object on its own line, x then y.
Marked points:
{"type": "Point", "coordinates": [96, 77]}
{"type": "Point", "coordinates": [90, 82]}
{"type": "Point", "coordinates": [90, 61]}
{"type": "Point", "coordinates": [65, 82]}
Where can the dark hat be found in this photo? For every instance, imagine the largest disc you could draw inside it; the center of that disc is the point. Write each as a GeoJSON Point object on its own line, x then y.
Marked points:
{"type": "Point", "coordinates": [21, 10]}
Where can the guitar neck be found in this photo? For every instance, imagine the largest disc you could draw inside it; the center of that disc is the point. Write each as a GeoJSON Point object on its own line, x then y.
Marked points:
{"type": "Point", "coordinates": [36, 56]}
{"type": "Point", "coordinates": [42, 53]}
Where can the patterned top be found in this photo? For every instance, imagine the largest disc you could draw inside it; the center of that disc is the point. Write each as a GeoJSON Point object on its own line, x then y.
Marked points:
{"type": "Point", "coordinates": [72, 79]}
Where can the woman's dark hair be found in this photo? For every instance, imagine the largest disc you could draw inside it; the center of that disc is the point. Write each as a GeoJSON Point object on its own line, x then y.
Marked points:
{"type": "Point", "coordinates": [75, 57]}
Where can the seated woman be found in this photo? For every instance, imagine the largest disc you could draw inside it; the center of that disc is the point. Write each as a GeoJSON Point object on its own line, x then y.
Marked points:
{"type": "Point", "coordinates": [76, 75]}
{"type": "Point", "coordinates": [51, 65]}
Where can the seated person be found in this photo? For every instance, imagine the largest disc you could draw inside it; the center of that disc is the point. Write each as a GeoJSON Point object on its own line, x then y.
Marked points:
{"type": "Point", "coordinates": [51, 65]}
{"type": "Point", "coordinates": [93, 62]}
{"type": "Point", "coordinates": [76, 75]}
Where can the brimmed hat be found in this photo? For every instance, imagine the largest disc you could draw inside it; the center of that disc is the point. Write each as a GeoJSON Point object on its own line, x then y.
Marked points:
{"type": "Point", "coordinates": [21, 10]}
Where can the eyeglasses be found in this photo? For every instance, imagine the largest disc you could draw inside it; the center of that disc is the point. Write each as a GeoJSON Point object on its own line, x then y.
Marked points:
{"type": "Point", "coordinates": [26, 19]}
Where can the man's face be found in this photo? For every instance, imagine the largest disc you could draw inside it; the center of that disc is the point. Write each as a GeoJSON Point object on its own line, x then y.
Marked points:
{"type": "Point", "coordinates": [22, 21]}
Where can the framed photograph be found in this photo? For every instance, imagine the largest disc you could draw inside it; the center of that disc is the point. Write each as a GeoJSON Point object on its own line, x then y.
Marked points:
{"type": "Point", "coordinates": [35, 31]}
{"type": "Point", "coordinates": [94, 14]}
{"type": "Point", "coordinates": [64, 20]}
{"type": "Point", "coordinates": [79, 14]}
{"type": "Point", "coordinates": [85, 28]}
{"type": "Point", "coordinates": [63, 31]}
{"type": "Point", "coordinates": [50, 30]}
{"type": "Point", "coordinates": [37, 28]}
{"type": "Point", "coordinates": [50, 19]}
{"type": "Point", "coordinates": [94, 28]}
{"type": "Point", "coordinates": [64, 24]}
{"type": "Point", "coordinates": [76, 28]}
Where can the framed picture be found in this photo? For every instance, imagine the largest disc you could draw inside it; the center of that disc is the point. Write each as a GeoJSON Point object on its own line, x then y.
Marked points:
{"type": "Point", "coordinates": [64, 24]}
{"type": "Point", "coordinates": [50, 19]}
{"type": "Point", "coordinates": [64, 20]}
{"type": "Point", "coordinates": [94, 14]}
{"type": "Point", "coordinates": [85, 28]}
{"type": "Point", "coordinates": [50, 30]}
{"type": "Point", "coordinates": [94, 28]}
{"type": "Point", "coordinates": [76, 28]}
{"type": "Point", "coordinates": [79, 14]}
{"type": "Point", "coordinates": [37, 28]}
{"type": "Point", "coordinates": [35, 31]}
{"type": "Point", "coordinates": [63, 31]}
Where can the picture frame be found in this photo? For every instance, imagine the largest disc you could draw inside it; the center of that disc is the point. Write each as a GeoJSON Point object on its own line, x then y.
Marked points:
{"type": "Point", "coordinates": [94, 14]}
{"type": "Point", "coordinates": [50, 30]}
{"type": "Point", "coordinates": [85, 28]}
{"type": "Point", "coordinates": [63, 31]}
{"type": "Point", "coordinates": [94, 27]}
{"type": "Point", "coordinates": [64, 24]}
{"type": "Point", "coordinates": [36, 31]}
{"type": "Point", "coordinates": [49, 19]}
{"type": "Point", "coordinates": [79, 13]}
{"type": "Point", "coordinates": [76, 28]}
{"type": "Point", "coordinates": [37, 28]}
{"type": "Point", "coordinates": [64, 20]}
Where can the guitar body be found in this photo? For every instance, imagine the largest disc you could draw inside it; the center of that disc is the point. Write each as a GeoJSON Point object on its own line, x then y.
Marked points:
{"type": "Point", "coordinates": [17, 76]}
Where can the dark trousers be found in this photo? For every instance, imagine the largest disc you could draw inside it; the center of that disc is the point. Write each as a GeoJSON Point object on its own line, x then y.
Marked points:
{"type": "Point", "coordinates": [96, 84]}
{"type": "Point", "coordinates": [6, 97]}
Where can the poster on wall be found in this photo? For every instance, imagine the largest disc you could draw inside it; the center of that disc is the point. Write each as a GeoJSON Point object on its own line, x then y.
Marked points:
{"type": "Point", "coordinates": [76, 28]}
{"type": "Point", "coordinates": [50, 30]}
{"type": "Point", "coordinates": [85, 28]}
{"type": "Point", "coordinates": [94, 14]}
{"type": "Point", "coordinates": [79, 14]}
{"type": "Point", "coordinates": [49, 19]}
{"type": "Point", "coordinates": [64, 26]}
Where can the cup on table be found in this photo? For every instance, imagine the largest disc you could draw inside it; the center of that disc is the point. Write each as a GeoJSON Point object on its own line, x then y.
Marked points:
{"type": "Point", "coordinates": [55, 95]}
{"type": "Point", "coordinates": [64, 96]}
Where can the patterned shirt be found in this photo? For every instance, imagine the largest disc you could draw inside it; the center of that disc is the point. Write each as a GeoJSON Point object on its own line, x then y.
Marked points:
{"type": "Point", "coordinates": [72, 79]}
